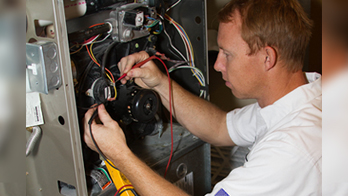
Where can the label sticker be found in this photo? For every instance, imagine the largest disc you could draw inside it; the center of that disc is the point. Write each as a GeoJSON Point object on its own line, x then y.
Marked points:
{"type": "Point", "coordinates": [33, 110]}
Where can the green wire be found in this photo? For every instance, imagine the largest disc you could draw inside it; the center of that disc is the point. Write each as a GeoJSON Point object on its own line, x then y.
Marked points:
{"type": "Point", "coordinates": [103, 170]}
{"type": "Point", "coordinates": [153, 24]}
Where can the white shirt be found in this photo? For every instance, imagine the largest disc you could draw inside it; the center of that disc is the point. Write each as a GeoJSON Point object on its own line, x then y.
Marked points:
{"type": "Point", "coordinates": [285, 145]}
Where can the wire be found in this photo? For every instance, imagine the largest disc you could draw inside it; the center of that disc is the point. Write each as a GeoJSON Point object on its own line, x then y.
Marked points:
{"type": "Point", "coordinates": [84, 108]}
{"type": "Point", "coordinates": [188, 47]}
{"type": "Point", "coordinates": [95, 113]}
{"type": "Point", "coordinates": [199, 73]}
{"type": "Point", "coordinates": [98, 24]}
{"type": "Point", "coordinates": [158, 31]}
{"type": "Point", "coordinates": [115, 90]}
{"type": "Point", "coordinates": [132, 190]}
{"type": "Point", "coordinates": [170, 102]}
{"type": "Point", "coordinates": [106, 173]}
{"type": "Point", "coordinates": [90, 40]}
{"type": "Point", "coordinates": [112, 79]}
{"type": "Point", "coordinates": [90, 53]}
{"type": "Point", "coordinates": [183, 39]}
{"type": "Point", "coordinates": [102, 40]}
{"type": "Point", "coordinates": [171, 45]}
{"type": "Point", "coordinates": [124, 186]}
{"type": "Point", "coordinates": [176, 3]}
{"type": "Point", "coordinates": [76, 51]}
{"type": "Point", "coordinates": [171, 115]}
{"type": "Point", "coordinates": [106, 55]}
{"type": "Point", "coordinates": [184, 35]}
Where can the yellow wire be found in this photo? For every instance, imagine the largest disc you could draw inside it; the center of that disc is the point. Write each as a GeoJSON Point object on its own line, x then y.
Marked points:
{"type": "Point", "coordinates": [115, 91]}
{"type": "Point", "coordinates": [91, 51]}
{"type": "Point", "coordinates": [107, 74]}
{"type": "Point", "coordinates": [78, 50]}
{"type": "Point", "coordinates": [189, 41]}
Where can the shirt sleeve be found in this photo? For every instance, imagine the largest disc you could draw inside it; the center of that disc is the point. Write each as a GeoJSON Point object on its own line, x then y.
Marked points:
{"type": "Point", "coordinates": [274, 168]}
{"type": "Point", "coordinates": [241, 125]}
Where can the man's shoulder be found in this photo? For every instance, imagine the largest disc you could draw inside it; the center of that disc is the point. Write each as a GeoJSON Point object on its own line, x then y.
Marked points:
{"type": "Point", "coordinates": [296, 142]}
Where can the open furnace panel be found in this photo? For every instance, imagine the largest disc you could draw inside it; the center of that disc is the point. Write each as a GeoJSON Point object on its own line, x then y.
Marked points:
{"type": "Point", "coordinates": [72, 51]}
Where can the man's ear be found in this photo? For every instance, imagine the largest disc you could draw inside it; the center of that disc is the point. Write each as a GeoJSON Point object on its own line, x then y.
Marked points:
{"type": "Point", "coordinates": [270, 57]}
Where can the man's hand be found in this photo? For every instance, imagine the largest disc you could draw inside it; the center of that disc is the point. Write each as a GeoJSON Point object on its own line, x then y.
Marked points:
{"type": "Point", "coordinates": [147, 76]}
{"type": "Point", "coordinates": [108, 136]}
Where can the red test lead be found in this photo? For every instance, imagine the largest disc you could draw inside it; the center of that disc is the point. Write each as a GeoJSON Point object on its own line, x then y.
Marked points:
{"type": "Point", "coordinates": [136, 66]}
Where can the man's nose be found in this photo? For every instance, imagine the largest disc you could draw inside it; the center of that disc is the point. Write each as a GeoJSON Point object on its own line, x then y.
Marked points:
{"type": "Point", "coordinates": [218, 66]}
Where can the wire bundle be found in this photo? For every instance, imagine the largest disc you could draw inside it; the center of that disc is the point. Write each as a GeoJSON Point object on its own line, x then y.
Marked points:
{"type": "Point", "coordinates": [90, 42]}
{"type": "Point", "coordinates": [108, 74]}
{"type": "Point", "coordinates": [153, 24]}
{"type": "Point", "coordinates": [189, 53]}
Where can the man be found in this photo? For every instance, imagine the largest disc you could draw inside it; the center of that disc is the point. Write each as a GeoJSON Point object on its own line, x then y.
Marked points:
{"type": "Point", "coordinates": [262, 46]}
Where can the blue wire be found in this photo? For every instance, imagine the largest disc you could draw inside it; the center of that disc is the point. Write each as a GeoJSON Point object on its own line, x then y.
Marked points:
{"type": "Point", "coordinates": [148, 17]}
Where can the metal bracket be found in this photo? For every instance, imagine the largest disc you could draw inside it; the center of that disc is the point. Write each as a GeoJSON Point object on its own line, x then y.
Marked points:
{"type": "Point", "coordinates": [43, 66]}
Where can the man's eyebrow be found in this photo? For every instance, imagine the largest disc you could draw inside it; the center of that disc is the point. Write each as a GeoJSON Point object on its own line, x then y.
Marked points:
{"type": "Point", "coordinates": [224, 49]}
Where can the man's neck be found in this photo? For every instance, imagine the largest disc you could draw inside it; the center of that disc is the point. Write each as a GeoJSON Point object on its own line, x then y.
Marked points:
{"type": "Point", "coordinates": [281, 87]}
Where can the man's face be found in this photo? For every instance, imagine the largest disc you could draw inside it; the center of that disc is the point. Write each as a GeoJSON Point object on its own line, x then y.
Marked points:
{"type": "Point", "coordinates": [243, 73]}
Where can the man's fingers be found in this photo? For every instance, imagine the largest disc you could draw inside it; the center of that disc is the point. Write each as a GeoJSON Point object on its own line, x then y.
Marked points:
{"type": "Point", "coordinates": [137, 73]}
{"type": "Point", "coordinates": [89, 114]}
{"type": "Point", "coordinates": [104, 115]}
{"type": "Point", "coordinates": [126, 63]}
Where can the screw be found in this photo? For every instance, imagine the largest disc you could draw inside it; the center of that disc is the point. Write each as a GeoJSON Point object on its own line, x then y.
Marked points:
{"type": "Point", "coordinates": [148, 106]}
{"type": "Point", "coordinates": [87, 93]}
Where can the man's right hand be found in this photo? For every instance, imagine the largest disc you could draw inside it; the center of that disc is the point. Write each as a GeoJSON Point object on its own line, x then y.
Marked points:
{"type": "Point", "coordinates": [147, 76]}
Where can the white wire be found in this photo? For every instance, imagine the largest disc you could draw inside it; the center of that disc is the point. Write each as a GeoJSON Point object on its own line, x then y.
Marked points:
{"type": "Point", "coordinates": [186, 44]}
{"type": "Point", "coordinates": [183, 40]}
{"type": "Point", "coordinates": [103, 39]}
{"type": "Point", "coordinates": [202, 92]}
{"type": "Point", "coordinates": [196, 71]}
{"type": "Point", "coordinates": [173, 5]}
{"type": "Point", "coordinates": [199, 72]}
{"type": "Point", "coordinates": [97, 41]}
{"type": "Point", "coordinates": [171, 45]}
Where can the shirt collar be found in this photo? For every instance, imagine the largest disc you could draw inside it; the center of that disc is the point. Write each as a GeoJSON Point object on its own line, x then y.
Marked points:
{"type": "Point", "coordinates": [272, 114]}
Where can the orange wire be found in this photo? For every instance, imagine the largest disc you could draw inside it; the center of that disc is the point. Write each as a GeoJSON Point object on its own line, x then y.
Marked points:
{"type": "Point", "coordinates": [96, 25]}
{"type": "Point", "coordinates": [92, 57]}
{"type": "Point", "coordinates": [96, 62]}
{"type": "Point", "coordinates": [112, 77]}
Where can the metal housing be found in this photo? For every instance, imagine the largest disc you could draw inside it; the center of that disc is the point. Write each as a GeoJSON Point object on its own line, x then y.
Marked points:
{"type": "Point", "coordinates": [58, 155]}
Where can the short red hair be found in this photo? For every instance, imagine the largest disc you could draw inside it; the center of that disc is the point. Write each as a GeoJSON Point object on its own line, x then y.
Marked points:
{"type": "Point", "coordinates": [281, 24]}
